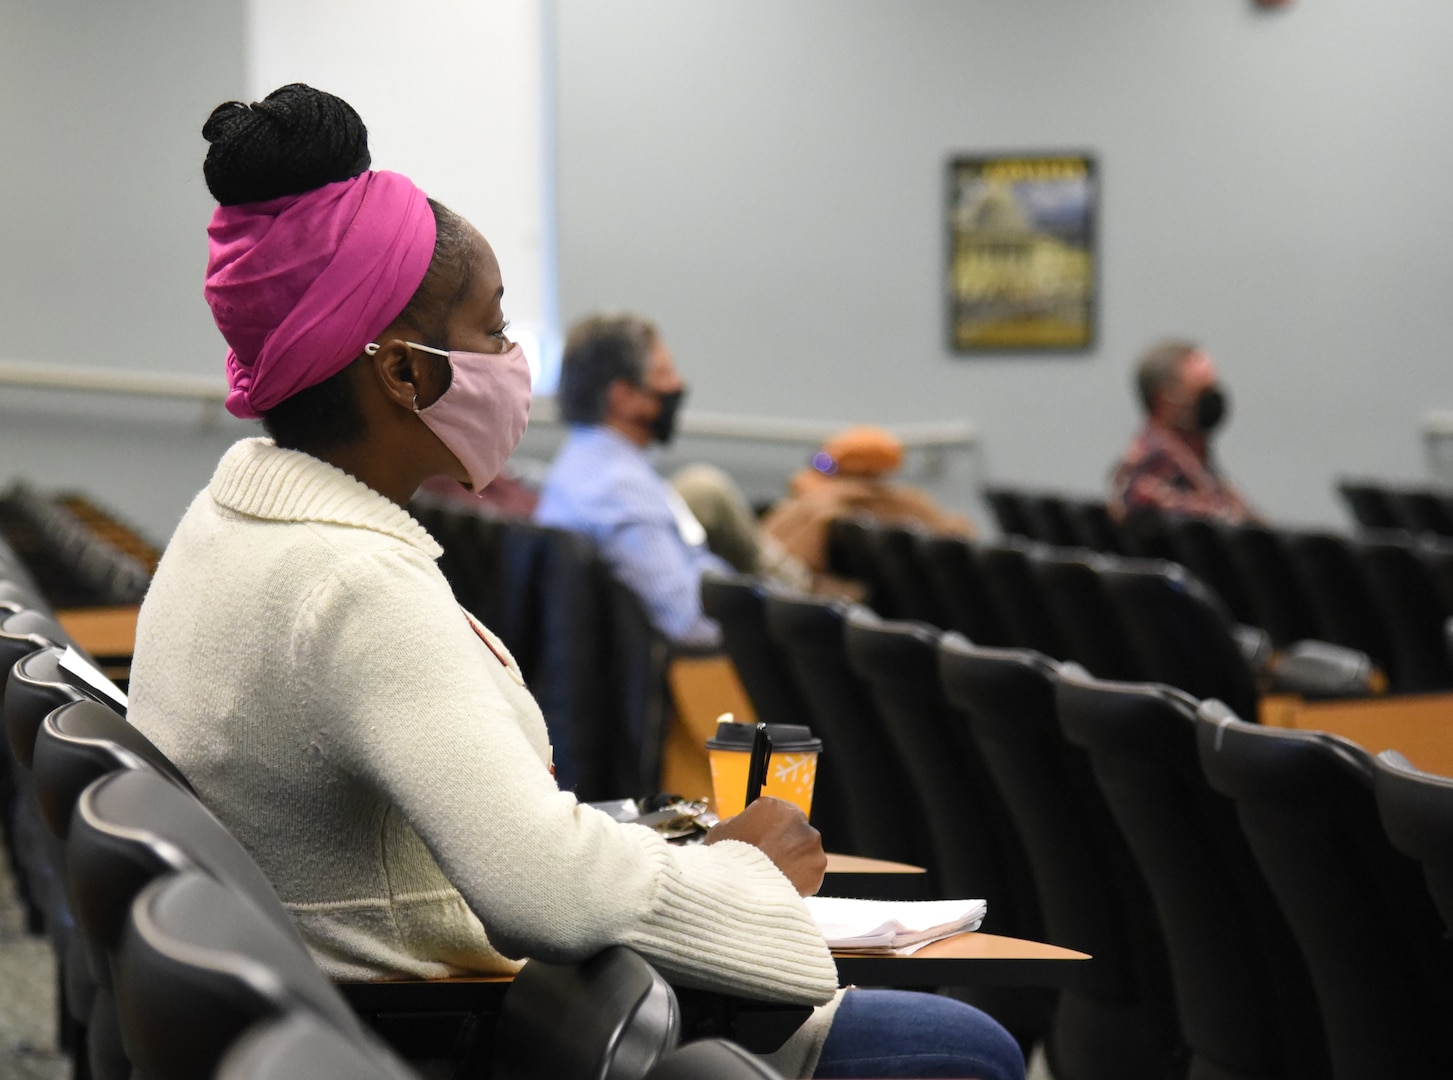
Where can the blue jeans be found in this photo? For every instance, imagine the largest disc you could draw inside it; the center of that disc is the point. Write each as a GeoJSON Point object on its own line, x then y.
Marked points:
{"type": "Point", "coordinates": [895, 1033]}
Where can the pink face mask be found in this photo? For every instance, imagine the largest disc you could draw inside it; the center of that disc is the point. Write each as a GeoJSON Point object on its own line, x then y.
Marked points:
{"type": "Point", "coordinates": [482, 416]}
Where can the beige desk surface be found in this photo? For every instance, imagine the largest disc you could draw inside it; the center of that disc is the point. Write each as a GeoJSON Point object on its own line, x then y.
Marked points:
{"type": "Point", "coordinates": [105, 633]}
{"type": "Point", "coordinates": [856, 864]}
{"type": "Point", "coordinates": [971, 959]}
{"type": "Point", "coordinates": [976, 945]}
{"type": "Point", "coordinates": [1419, 726]}
{"type": "Point", "coordinates": [962, 960]}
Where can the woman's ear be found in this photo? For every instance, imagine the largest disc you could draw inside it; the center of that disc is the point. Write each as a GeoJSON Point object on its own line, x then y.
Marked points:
{"type": "Point", "coordinates": [396, 367]}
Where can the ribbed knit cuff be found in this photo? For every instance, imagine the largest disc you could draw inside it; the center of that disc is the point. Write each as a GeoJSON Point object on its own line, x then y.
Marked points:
{"type": "Point", "coordinates": [726, 919]}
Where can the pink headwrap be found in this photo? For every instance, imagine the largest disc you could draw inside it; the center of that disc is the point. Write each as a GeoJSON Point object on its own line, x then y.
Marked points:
{"type": "Point", "coordinates": [299, 284]}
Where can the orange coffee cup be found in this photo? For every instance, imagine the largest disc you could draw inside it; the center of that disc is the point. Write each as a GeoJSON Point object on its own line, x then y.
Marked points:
{"type": "Point", "coordinates": [791, 769]}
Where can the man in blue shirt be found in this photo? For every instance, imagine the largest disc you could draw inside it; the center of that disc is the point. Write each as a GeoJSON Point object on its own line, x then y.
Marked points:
{"type": "Point", "coordinates": [620, 392]}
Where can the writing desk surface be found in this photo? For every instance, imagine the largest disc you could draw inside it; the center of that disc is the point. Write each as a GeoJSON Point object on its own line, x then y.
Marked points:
{"type": "Point", "coordinates": [968, 959]}
{"type": "Point", "coordinates": [857, 864]}
{"type": "Point", "coordinates": [972, 958]}
{"type": "Point", "coordinates": [105, 633]}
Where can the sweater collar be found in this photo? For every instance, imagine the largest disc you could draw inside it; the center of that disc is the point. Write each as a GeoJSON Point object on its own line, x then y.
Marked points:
{"type": "Point", "coordinates": [257, 478]}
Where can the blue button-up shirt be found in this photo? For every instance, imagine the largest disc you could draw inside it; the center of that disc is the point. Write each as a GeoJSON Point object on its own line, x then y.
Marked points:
{"type": "Point", "coordinates": [604, 485]}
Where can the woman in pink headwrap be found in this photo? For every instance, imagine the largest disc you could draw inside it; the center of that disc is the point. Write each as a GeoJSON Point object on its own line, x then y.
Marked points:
{"type": "Point", "coordinates": [302, 660]}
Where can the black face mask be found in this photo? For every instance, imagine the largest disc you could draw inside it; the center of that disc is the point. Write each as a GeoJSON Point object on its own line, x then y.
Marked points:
{"type": "Point", "coordinates": [1211, 408]}
{"type": "Point", "coordinates": [663, 428]}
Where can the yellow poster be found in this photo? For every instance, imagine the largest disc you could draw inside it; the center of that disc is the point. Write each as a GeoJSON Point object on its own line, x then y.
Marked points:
{"type": "Point", "coordinates": [1021, 273]}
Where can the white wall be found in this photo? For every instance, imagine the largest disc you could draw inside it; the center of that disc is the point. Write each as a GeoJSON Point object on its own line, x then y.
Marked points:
{"type": "Point", "coordinates": [768, 179]}
{"type": "Point", "coordinates": [103, 239]}
{"type": "Point", "coordinates": [104, 210]}
{"type": "Point", "coordinates": [454, 96]}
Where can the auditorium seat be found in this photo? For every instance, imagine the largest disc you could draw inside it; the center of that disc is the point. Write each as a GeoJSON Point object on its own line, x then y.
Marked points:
{"type": "Point", "coordinates": [1117, 1023]}
{"type": "Point", "coordinates": [907, 590]}
{"type": "Point", "coordinates": [1094, 528]}
{"type": "Point", "coordinates": [36, 686]}
{"type": "Point", "coordinates": [1182, 634]}
{"type": "Point", "coordinates": [593, 661]}
{"type": "Point", "coordinates": [1245, 999]}
{"type": "Point", "coordinates": [78, 744]}
{"type": "Point", "coordinates": [953, 567]}
{"type": "Point", "coordinates": [300, 1044]}
{"type": "Point", "coordinates": [1049, 519]}
{"type": "Point", "coordinates": [1420, 511]}
{"type": "Point", "coordinates": [198, 964]}
{"type": "Point", "coordinates": [1369, 504]}
{"type": "Point", "coordinates": [976, 851]}
{"type": "Point", "coordinates": [134, 825]}
{"type": "Point", "coordinates": [1199, 547]}
{"type": "Point", "coordinates": [1144, 534]}
{"type": "Point", "coordinates": [1017, 597]}
{"type": "Point", "coordinates": [1009, 511]}
{"type": "Point", "coordinates": [611, 1017]}
{"type": "Point", "coordinates": [129, 828]}
{"type": "Point", "coordinates": [1278, 601]}
{"type": "Point", "coordinates": [1406, 596]}
{"type": "Point", "coordinates": [1416, 808]}
{"type": "Point", "coordinates": [1086, 620]}
{"type": "Point", "coordinates": [852, 554]}
{"type": "Point", "coordinates": [712, 1059]}
{"type": "Point", "coordinates": [884, 810]}
{"type": "Point", "coordinates": [1378, 953]}
{"type": "Point", "coordinates": [738, 604]}
{"type": "Point", "coordinates": [1338, 593]}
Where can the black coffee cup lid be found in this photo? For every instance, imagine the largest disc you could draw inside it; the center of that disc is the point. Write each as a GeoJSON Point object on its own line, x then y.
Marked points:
{"type": "Point", "coordinates": [786, 738]}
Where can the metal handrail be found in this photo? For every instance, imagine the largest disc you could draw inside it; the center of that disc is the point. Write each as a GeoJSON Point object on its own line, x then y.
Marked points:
{"type": "Point", "coordinates": [202, 388]}
{"type": "Point", "coordinates": [209, 390]}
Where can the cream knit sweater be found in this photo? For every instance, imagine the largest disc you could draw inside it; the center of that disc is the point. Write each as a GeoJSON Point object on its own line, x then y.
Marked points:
{"type": "Point", "coordinates": [302, 660]}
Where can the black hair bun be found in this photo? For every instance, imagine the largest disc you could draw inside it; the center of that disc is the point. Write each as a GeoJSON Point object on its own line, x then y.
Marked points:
{"type": "Point", "coordinates": [294, 140]}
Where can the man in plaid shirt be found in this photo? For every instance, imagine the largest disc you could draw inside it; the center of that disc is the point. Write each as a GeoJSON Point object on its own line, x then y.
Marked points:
{"type": "Point", "coordinates": [1168, 465]}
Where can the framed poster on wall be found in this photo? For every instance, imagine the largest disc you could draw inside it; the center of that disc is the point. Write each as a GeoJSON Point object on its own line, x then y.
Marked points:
{"type": "Point", "coordinates": [1021, 252]}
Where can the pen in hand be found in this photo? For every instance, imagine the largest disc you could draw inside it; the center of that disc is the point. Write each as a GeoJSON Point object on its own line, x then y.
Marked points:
{"type": "Point", "coordinates": [757, 767]}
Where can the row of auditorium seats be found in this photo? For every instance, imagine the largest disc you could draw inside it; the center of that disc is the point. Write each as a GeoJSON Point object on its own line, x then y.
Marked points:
{"type": "Point", "coordinates": [1378, 505]}
{"type": "Point", "coordinates": [1082, 521]}
{"type": "Point", "coordinates": [176, 958]}
{"type": "Point", "coordinates": [79, 555]}
{"type": "Point", "coordinates": [588, 654]}
{"type": "Point", "coordinates": [1388, 591]}
{"type": "Point", "coordinates": [1119, 617]}
{"type": "Point", "coordinates": [1062, 520]}
{"type": "Point", "coordinates": [1249, 915]}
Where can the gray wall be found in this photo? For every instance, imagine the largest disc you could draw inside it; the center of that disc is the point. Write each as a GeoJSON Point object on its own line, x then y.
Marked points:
{"type": "Point", "coordinates": [767, 179]}
{"type": "Point", "coordinates": [102, 239]}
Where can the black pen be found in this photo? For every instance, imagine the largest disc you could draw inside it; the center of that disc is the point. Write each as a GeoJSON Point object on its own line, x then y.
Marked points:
{"type": "Point", "coordinates": [757, 767]}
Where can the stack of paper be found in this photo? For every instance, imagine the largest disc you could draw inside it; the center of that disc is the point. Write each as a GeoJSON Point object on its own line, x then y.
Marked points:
{"type": "Point", "coordinates": [891, 926]}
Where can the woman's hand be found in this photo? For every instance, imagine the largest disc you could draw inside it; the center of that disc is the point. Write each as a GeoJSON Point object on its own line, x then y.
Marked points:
{"type": "Point", "coordinates": [782, 832]}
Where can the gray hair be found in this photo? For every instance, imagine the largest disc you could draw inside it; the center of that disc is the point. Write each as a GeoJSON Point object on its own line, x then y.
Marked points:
{"type": "Point", "coordinates": [599, 350]}
{"type": "Point", "coordinates": [1160, 367]}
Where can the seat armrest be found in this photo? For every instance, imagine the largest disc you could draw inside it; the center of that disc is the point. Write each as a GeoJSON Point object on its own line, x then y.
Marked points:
{"type": "Point", "coordinates": [1319, 669]}
{"type": "Point", "coordinates": [761, 1027]}
{"type": "Point", "coordinates": [1255, 646]}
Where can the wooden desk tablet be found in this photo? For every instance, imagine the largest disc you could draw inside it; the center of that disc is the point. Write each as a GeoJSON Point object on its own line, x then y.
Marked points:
{"type": "Point", "coordinates": [874, 879]}
{"type": "Point", "coordinates": [856, 864]}
{"type": "Point", "coordinates": [968, 959]}
{"type": "Point", "coordinates": [106, 633]}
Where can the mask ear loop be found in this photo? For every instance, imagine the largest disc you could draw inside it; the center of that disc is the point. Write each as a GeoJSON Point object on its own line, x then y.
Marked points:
{"type": "Point", "coordinates": [371, 349]}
